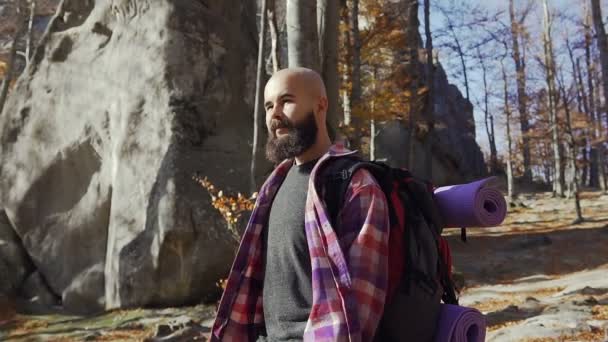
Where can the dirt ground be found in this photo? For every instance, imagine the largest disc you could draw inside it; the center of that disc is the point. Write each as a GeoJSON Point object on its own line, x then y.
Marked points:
{"type": "Point", "coordinates": [537, 278]}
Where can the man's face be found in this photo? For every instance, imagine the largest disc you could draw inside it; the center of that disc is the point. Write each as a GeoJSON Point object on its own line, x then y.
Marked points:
{"type": "Point", "coordinates": [293, 139]}
{"type": "Point", "coordinates": [290, 119]}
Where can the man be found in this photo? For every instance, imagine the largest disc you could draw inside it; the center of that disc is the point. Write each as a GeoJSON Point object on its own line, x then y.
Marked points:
{"type": "Point", "coordinates": [295, 276]}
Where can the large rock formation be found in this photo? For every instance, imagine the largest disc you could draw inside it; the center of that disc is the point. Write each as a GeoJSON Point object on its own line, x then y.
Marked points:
{"type": "Point", "coordinates": [124, 101]}
{"type": "Point", "coordinates": [14, 262]}
{"type": "Point", "coordinates": [456, 155]}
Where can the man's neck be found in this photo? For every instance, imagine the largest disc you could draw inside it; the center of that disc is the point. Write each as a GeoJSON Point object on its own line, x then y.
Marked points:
{"type": "Point", "coordinates": [315, 152]}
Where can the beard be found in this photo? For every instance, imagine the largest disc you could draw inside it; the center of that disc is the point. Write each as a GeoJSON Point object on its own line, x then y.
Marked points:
{"type": "Point", "coordinates": [300, 137]}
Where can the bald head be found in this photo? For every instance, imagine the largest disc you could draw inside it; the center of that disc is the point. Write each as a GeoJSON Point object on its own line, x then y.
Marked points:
{"type": "Point", "coordinates": [306, 80]}
{"type": "Point", "coordinates": [295, 102]}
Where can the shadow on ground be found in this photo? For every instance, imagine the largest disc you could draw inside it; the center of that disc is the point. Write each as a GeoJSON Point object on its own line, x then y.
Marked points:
{"type": "Point", "coordinates": [504, 258]}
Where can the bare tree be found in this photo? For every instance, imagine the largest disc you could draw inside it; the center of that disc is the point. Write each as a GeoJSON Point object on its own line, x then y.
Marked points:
{"type": "Point", "coordinates": [594, 164]}
{"type": "Point", "coordinates": [355, 52]}
{"type": "Point", "coordinates": [460, 20]}
{"type": "Point", "coordinates": [429, 108]}
{"type": "Point", "coordinates": [457, 47]}
{"type": "Point", "coordinates": [355, 64]}
{"type": "Point", "coordinates": [585, 104]}
{"type": "Point", "coordinates": [581, 104]}
{"type": "Point", "coordinates": [328, 19]}
{"type": "Point", "coordinates": [558, 181]}
{"type": "Point", "coordinates": [507, 111]}
{"type": "Point", "coordinates": [571, 143]}
{"type": "Point", "coordinates": [372, 121]}
{"type": "Point", "coordinates": [258, 97]}
{"type": "Point", "coordinates": [489, 118]}
{"type": "Point", "coordinates": [520, 69]}
{"type": "Point", "coordinates": [602, 45]}
{"type": "Point", "coordinates": [30, 38]}
{"type": "Point", "coordinates": [274, 36]}
{"type": "Point", "coordinates": [346, 73]}
{"type": "Point", "coordinates": [302, 36]}
{"type": "Point", "coordinates": [575, 75]}
{"type": "Point", "coordinates": [10, 67]}
{"type": "Point", "coordinates": [409, 18]}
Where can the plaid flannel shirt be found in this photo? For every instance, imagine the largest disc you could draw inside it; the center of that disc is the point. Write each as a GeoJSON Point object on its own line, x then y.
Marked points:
{"type": "Point", "coordinates": [349, 263]}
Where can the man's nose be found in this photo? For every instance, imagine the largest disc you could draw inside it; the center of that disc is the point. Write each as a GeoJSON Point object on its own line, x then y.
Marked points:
{"type": "Point", "coordinates": [276, 112]}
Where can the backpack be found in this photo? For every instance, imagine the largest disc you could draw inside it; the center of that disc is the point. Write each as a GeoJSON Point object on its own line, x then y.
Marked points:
{"type": "Point", "coordinates": [420, 262]}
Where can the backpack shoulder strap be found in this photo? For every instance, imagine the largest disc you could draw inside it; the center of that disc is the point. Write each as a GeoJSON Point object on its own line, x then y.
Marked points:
{"type": "Point", "coordinates": [335, 179]}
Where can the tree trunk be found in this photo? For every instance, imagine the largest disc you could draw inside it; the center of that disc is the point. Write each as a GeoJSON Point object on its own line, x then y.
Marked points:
{"type": "Point", "coordinates": [489, 119]}
{"type": "Point", "coordinates": [558, 183]}
{"type": "Point", "coordinates": [464, 66]}
{"type": "Point", "coordinates": [274, 36]}
{"type": "Point", "coordinates": [602, 46]}
{"type": "Point", "coordinates": [429, 106]}
{"type": "Point", "coordinates": [372, 121]}
{"type": "Point", "coordinates": [520, 68]}
{"type": "Point", "coordinates": [302, 39]}
{"type": "Point", "coordinates": [372, 139]}
{"type": "Point", "coordinates": [258, 105]}
{"type": "Point", "coordinates": [585, 171]}
{"type": "Point", "coordinates": [568, 169]}
{"type": "Point", "coordinates": [576, 78]}
{"type": "Point", "coordinates": [10, 68]}
{"type": "Point", "coordinates": [355, 55]}
{"type": "Point", "coordinates": [571, 143]}
{"type": "Point", "coordinates": [328, 18]}
{"type": "Point", "coordinates": [411, 72]}
{"type": "Point", "coordinates": [510, 187]}
{"type": "Point", "coordinates": [346, 76]}
{"type": "Point", "coordinates": [355, 52]}
{"type": "Point", "coordinates": [600, 134]}
{"type": "Point", "coordinates": [593, 165]}
{"type": "Point", "coordinates": [30, 38]}
{"type": "Point", "coordinates": [582, 108]}
{"type": "Point", "coordinates": [458, 50]}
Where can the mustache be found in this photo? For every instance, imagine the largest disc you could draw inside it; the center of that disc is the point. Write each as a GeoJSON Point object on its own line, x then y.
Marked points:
{"type": "Point", "coordinates": [280, 123]}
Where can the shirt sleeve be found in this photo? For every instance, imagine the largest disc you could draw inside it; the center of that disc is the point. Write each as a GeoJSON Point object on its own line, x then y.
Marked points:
{"type": "Point", "coordinates": [364, 231]}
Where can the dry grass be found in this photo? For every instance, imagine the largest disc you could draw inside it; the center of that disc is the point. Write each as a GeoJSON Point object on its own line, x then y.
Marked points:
{"type": "Point", "coordinates": [594, 336]}
{"type": "Point", "coordinates": [515, 298]}
{"type": "Point", "coordinates": [126, 335]}
{"type": "Point", "coordinates": [502, 325]}
{"type": "Point", "coordinates": [23, 327]}
{"type": "Point", "coordinates": [495, 304]}
{"type": "Point", "coordinates": [600, 312]}
{"type": "Point", "coordinates": [546, 292]}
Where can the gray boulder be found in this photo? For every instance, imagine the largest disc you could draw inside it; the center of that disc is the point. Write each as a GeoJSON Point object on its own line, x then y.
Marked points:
{"type": "Point", "coordinates": [36, 292]}
{"type": "Point", "coordinates": [123, 103]}
{"type": "Point", "coordinates": [14, 261]}
{"type": "Point", "coordinates": [456, 156]}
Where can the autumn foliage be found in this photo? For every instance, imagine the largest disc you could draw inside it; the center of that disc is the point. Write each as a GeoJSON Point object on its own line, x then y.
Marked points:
{"type": "Point", "coordinates": [232, 208]}
{"type": "Point", "coordinates": [390, 91]}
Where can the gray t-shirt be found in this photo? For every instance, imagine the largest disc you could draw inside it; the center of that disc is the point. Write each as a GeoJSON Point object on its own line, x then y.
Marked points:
{"type": "Point", "coordinates": [287, 293]}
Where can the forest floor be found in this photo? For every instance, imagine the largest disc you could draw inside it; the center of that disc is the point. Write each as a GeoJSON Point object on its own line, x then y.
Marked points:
{"type": "Point", "coordinates": [537, 278]}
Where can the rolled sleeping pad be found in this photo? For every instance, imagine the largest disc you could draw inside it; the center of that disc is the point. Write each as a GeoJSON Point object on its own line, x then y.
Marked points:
{"type": "Point", "coordinates": [476, 204]}
{"type": "Point", "coordinates": [460, 324]}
